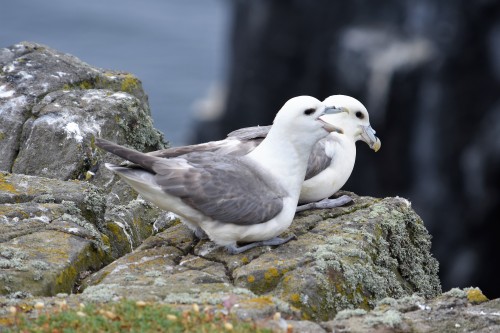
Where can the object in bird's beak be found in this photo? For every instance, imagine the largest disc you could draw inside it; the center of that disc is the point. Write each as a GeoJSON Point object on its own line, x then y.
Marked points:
{"type": "Point", "coordinates": [369, 137]}
{"type": "Point", "coordinates": [328, 126]}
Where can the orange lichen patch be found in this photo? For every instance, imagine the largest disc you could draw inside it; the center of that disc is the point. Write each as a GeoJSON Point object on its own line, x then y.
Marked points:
{"type": "Point", "coordinates": [475, 296]}
{"type": "Point", "coordinates": [251, 279]}
{"type": "Point", "coordinates": [245, 260]}
{"type": "Point", "coordinates": [271, 274]}
{"type": "Point", "coordinates": [260, 301]}
{"type": "Point", "coordinates": [129, 83]}
{"type": "Point", "coordinates": [295, 298]}
{"type": "Point", "coordinates": [6, 186]}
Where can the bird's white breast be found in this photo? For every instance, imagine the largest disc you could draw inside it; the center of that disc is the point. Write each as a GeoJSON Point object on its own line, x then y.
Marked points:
{"type": "Point", "coordinates": [228, 233]}
{"type": "Point", "coordinates": [330, 180]}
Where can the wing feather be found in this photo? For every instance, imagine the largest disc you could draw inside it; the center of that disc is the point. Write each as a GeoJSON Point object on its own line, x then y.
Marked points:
{"type": "Point", "coordinates": [223, 188]}
{"type": "Point", "coordinates": [318, 160]}
{"type": "Point", "coordinates": [249, 133]}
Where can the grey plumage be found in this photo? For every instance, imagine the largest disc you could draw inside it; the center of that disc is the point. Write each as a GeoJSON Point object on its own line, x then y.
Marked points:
{"type": "Point", "coordinates": [330, 161]}
{"type": "Point", "coordinates": [247, 139]}
{"type": "Point", "coordinates": [254, 199]}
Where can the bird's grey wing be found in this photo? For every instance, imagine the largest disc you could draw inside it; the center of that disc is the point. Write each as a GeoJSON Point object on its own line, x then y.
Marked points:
{"type": "Point", "coordinates": [183, 150]}
{"type": "Point", "coordinates": [223, 188]}
{"type": "Point", "coordinates": [319, 160]}
{"type": "Point", "coordinates": [240, 142]}
{"type": "Point", "coordinates": [230, 146]}
{"type": "Point", "coordinates": [249, 133]}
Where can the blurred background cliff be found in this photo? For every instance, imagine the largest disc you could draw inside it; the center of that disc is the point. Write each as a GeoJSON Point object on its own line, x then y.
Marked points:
{"type": "Point", "coordinates": [428, 72]}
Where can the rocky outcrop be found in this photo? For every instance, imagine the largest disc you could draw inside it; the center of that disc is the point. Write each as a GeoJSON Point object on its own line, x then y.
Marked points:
{"type": "Point", "coordinates": [342, 258]}
{"type": "Point", "coordinates": [53, 232]}
{"type": "Point", "coordinates": [54, 226]}
{"type": "Point", "coordinates": [457, 310]}
{"type": "Point", "coordinates": [52, 105]}
{"type": "Point", "coordinates": [67, 225]}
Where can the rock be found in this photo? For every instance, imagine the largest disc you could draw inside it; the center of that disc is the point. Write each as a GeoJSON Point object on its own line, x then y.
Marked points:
{"type": "Point", "coordinates": [54, 103]}
{"type": "Point", "coordinates": [49, 234]}
{"type": "Point", "coordinates": [454, 311]}
{"type": "Point", "coordinates": [343, 258]}
{"type": "Point", "coordinates": [53, 232]}
{"type": "Point", "coordinates": [55, 229]}
{"type": "Point", "coordinates": [362, 267]}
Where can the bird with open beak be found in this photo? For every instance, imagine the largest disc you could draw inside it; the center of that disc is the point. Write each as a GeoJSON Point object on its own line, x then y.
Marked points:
{"type": "Point", "coordinates": [250, 198]}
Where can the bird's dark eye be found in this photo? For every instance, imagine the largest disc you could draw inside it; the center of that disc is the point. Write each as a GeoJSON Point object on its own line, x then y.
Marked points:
{"type": "Point", "coordinates": [360, 115]}
{"type": "Point", "coordinates": [309, 112]}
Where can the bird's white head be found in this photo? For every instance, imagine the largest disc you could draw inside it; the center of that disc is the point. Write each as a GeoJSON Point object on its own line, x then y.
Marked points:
{"type": "Point", "coordinates": [355, 120]}
{"type": "Point", "coordinates": [304, 117]}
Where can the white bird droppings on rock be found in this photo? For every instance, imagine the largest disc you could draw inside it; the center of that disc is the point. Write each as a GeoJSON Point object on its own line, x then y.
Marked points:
{"type": "Point", "coordinates": [73, 131]}
{"type": "Point", "coordinates": [4, 93]}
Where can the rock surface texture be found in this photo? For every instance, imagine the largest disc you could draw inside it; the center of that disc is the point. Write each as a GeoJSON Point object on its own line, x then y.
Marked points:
{"type": "Point", "coordinates": [343, 258]}
{"type": "Point", "coordinates": [52, 104]}
{"type": "Point", "coordinates": [54, 226]}
{"type": "Point", "coordinates": [69, 228]}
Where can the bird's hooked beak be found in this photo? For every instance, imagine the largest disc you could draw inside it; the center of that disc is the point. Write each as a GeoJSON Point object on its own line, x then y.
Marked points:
{"type": "Point", "coordinates": [329, 127]}
{"type": "Point", "coordinates": [368, 136]}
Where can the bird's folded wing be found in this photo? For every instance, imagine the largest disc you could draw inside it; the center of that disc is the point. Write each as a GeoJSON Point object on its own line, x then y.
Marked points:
{"type": "Point", "coordinates": [239, 143]}
{"type": "Point", "coordinates": [222, 187]}
{"type": "Point", "coordinates": [183, 150]}
{"type": "Point", "coordinates": [249, 133]}
{"type": "Point", "coordinates": [319, 160]}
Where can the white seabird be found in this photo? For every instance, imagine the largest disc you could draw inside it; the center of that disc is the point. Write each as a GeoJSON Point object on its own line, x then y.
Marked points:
{"type": "Point", "coordinates": [331, 161]}
{"type": "Point", "coordinates": [249, 198]}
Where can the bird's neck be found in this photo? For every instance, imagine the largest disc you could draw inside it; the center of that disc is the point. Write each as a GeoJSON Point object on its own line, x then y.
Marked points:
{"type": "Point", "coordinates": [285, 158]}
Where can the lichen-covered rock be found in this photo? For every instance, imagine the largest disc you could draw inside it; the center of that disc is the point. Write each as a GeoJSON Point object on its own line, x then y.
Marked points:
{"type": "Point", "coordinates": [127, 226]}
{"type": "Point", "coordinates": [343, 258]}
{"type": "Point", "coordinates": [375, 249]}
{"type": "Point", "coordinates": [52, 232]}
{"type": "Point", "coordinates": [49, 234]}
{"type": "Point", "coordinates": [55, 230]}
{"type": "Point", "coordinates": [454, 311]}
{"type": "Point", "coordinates": [53, 105]}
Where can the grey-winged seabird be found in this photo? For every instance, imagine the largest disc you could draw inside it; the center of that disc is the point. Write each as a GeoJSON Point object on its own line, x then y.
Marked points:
{"type": "Point", "coordinates": [250, 198]}
{"type": "Point", "coordinates": [331, 161]}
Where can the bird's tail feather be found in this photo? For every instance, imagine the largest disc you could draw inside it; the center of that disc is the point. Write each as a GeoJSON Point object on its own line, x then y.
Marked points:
{"type": "Point", "coordinates": [144, 160]}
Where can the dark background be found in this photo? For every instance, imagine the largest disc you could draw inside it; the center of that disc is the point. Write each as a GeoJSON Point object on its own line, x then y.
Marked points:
{"type": "Point", "coordinates": [429, 74]}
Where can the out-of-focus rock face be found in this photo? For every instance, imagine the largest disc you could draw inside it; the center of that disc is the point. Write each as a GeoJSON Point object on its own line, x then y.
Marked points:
{"type": "Point", "coordinates": [52, 105]}
{"type": "Point", "coordinates": [428, 72]}
{"type": "Point", "coordinates": [343, 258]}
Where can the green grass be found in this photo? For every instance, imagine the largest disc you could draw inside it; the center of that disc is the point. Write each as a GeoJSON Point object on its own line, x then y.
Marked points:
{"type": "Point", "coordinates": [128, 316]}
